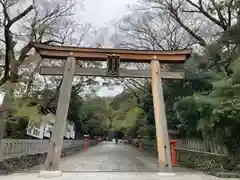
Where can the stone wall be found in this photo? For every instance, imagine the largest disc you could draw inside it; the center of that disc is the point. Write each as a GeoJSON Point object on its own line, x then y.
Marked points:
{"type": "Point", "coordinates": [214, 164]}
{"type": "Point", "coordinates": [26, 162]}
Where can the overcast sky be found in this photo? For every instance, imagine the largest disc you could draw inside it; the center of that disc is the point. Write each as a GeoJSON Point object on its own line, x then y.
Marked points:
{"type": "Point", "coordinates": [101, 13]}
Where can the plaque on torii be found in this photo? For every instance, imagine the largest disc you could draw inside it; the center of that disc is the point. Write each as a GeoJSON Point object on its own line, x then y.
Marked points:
{"type": "Point", "coordinates": [113, 57]}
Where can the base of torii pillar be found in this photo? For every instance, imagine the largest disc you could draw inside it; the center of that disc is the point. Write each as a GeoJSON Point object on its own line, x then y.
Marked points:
{"type": "Point", "coordinates": [164, 174]}
{"type": "Point", "coordinates": [50, 174]}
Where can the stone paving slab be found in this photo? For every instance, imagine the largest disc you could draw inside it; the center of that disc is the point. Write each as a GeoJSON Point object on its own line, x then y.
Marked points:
{"type": "Point", "coordinates": [114, 176]}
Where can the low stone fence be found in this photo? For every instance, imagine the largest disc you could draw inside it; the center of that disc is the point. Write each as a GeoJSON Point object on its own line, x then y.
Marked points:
{"type": "Point", "coordinates": [23, 154]}
{"type": "Point", "coordinates": [213, 163]}
{"type": "Point", "coordinates": [205, 155]}
{"type": "Point", "coordinates": [23, 147]}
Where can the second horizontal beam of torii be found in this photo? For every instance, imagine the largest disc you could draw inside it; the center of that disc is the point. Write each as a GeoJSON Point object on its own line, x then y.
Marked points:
{"type": "Point", "coordinates": [123, 73]}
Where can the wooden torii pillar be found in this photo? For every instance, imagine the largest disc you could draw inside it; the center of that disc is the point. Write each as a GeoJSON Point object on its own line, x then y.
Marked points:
{"type": "Point", "coordinates": [164, 156]}
{"type": "Point", "coordinates": [71, 54]}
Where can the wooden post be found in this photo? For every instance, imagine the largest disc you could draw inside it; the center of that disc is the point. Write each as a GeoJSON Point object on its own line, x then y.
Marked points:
{"type": "Point", "coordinates": [164, 156]}
{"type": "Point", "coordinates": [140, 143]}
{"type": "Point", "coordinates": [54, 154]}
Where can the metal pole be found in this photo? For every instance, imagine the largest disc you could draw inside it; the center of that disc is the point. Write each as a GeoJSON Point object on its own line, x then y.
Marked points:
{"type": "Point", "coordinates": [164, 156]}
{"type": "Point", "coordinates": [54, 154]}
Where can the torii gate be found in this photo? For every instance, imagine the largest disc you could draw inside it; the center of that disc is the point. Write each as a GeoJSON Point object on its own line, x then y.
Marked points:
{"type": "Point", "coordinates": [113, 58]}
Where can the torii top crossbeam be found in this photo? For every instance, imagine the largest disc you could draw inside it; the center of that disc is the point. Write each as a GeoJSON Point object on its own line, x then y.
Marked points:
{"type": "Point", "coordinates": [101, 54]}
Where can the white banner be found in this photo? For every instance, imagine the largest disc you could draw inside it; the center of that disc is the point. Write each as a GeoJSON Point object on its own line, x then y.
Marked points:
{"type": "Point", "coordinates": [44, 129]}
{"type": "Point", "coordinates": [72, 135]}
{"type": "Point", "coordinates": [34, 130]}
{"type": "Point", "coordinates": [47, 130]}
{"type": "Point", "coordinates": [68, 130]}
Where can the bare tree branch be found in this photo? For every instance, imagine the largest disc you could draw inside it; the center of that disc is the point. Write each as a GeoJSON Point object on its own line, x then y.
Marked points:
{"type": "Point", "coordinates": [199, 6]}
{"type": "Point", "coordinates": [4, 6]}
{"type": "Point", "coordinates": [20, 16]}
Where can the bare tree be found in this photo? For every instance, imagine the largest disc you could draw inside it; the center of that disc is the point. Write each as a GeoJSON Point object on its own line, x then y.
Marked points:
{"type": "Point", "coordinates": [22, 25]}
{"type": "Point", "coordinates": [210, 17]}
{"type": "Point", "coordinates": [174, 24]}
{"type": "Point", "coordinates": [151, 31]}
{"type": "Point", "coordinates": [146, 30]}
{"type": "Point", "coordinates": [85, 36]}
{"type": "Point", "coordinates": [81, 36]}
{"type": "Point", "coordinates": [39, 26]}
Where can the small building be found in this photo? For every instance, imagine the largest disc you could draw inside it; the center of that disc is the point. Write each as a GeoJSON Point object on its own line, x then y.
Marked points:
{"type": "Point", "coordinates": [173, 134]}
{"type": "Point", "coordinates": [43, 129]}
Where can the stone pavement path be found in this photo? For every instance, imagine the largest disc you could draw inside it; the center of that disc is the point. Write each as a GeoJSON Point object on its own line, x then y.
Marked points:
{"type": "Point", "coordinates": [108, 161]}
{"type": "Point", "coordinates": [108, 157]}
{"type": "Point", "coordinates": [114, 176]}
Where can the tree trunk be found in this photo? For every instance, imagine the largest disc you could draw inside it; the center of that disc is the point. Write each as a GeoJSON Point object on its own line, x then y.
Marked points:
{"type": "Point", "coordinates": [9, 87]}
{"type": "Point", "coordinates": [4, 114]}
